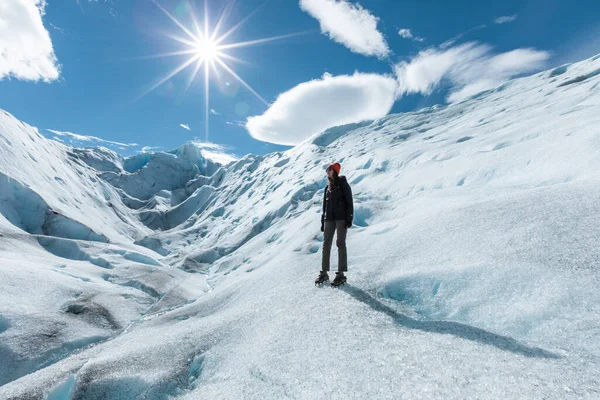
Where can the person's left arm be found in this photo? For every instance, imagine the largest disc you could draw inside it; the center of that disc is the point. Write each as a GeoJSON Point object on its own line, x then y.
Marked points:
{"type": "Point", "coordinates": [324, 208]}
{"type": "Point", "coordinates": [349, 204]}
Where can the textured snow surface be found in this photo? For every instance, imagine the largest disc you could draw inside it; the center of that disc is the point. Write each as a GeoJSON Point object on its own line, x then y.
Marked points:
{"type": "Point", "coordinates": [473, 260]}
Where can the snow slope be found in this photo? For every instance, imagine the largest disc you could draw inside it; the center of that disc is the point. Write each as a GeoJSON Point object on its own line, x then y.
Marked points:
{"type": "Point", "coordinates": [473, 260]}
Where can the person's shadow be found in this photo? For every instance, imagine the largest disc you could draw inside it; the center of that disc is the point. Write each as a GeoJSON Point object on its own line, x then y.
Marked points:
{"type": "Point", "coordinates": [451, 328]}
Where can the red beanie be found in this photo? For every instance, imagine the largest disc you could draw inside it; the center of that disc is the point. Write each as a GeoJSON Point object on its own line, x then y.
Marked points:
{"type": "Point", "coordinates": [336, 167]}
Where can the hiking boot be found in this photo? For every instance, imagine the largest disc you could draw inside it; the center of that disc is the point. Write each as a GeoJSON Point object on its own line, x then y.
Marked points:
{"type": "Point", "coordinates": [323, 277]}
{"type": "Point", "coordinates": [340, 279]}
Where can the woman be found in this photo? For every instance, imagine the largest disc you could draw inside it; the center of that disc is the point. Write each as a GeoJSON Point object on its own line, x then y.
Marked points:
{"type": "Point", "coordinates": [338, 211]}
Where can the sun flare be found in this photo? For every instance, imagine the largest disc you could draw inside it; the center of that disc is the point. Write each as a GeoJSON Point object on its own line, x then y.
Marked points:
{"type": "Point", "coordinates": [206, 49]}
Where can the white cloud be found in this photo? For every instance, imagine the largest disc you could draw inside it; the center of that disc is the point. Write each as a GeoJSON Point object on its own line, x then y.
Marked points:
{"type": "Point", "coordinates": [109, 4]}
{"type": "Point", "coordinates": [407, 34]}
{"type": "Point", "coordinates": [212, 151]}
{"type": "Point", "coordinates": [456, 38]}
{"type": "Point", "coordinates": [26, 51]}
{"type": "Point", "coordinates": [314, 106]}
{"type": "Point", "coordinates": [213, 112]}
{"type": "Point", "coordinates": [218, 157]}
{"type": "Point", "coordinates": [348, 24]}
{"type": "Point", "coordinates": [469, 68]}
{"type": "Point", "coordinates": [215, 152]}
{"type": "Point", "coordinates": [505, 19]}
{"type": "Point", "coordinates": [185, 126]}
{"type": "Point", "coordinates": [78, 140]}
{"type": "Point", "coordinates": [56, 28]}
{"type": "Point", "coordinates": [425, 71]}
{"type": "Point", "coordinates": [236, 123]}
{"type": "Point", "coordinates": [148, 149]}
{"type": "Point", "coordinates": [208, 145]}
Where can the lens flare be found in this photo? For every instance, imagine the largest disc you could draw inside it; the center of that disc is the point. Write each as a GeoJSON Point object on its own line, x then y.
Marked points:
{"type": "Point", "coordinates": [206, 48]}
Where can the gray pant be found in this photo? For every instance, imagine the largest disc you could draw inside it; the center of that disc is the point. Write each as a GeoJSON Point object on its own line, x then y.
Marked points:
{"type": "Point", "coordinates": [330, 228]}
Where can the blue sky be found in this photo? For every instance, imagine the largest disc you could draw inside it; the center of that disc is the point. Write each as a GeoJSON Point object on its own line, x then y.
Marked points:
{"type": "Point", "coordinates": [79, 66]}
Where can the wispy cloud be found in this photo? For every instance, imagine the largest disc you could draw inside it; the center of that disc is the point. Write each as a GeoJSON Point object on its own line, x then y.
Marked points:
{"type": "Point", "coordinates": [56, 28]}
{"type": "Point", "coordinates": [407, 34]}
{"type": "Point", "coordinates": [148, 149]}
{"type": "Point", "coordinates": [185, 126]}
{"type": "Point", "coordinates": [468, 69]}
{"type": "Point", "coordinates": [26, 50]}
{"type": "Point", "coordinates": [236, 123]}
{"type": "Point", "coordinates": [108, 3]}
{"type": "Point", "coordinates": [213, 112]}
{"type": "Point", "coordinates": [348, 24]}
{"type": "Point", "coordinates": [78, 140]}
{"type": "Point", "coordinates": [456, 38]}
{"type": "Point", "coordinates": [218, 153]}
{"type": "Point", "coordinates": [314, 106]}
{"type": "Point", "coordinates": [505, 19]}
{"type": "Point", "coordinates": [215, 152]}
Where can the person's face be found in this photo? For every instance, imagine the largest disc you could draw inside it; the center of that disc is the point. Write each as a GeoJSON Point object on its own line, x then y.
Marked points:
{"type": "Point", "coordinates": [329, 172]}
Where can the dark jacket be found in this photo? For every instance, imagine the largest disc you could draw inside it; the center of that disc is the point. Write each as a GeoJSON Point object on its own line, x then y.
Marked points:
{"type": "Point", "coordinates": [338, 204]}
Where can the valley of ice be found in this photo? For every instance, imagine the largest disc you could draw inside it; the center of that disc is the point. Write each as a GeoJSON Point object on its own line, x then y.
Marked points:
{"type": "Point", "coordinates": [474, 260]}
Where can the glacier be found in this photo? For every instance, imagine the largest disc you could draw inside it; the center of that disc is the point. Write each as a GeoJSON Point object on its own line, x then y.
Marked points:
{"type": "Point", "coordinates": [473, 259]}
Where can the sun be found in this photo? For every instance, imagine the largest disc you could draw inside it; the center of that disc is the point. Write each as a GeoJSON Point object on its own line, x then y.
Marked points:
{"type": "Point", "coordinates": [206, 49]}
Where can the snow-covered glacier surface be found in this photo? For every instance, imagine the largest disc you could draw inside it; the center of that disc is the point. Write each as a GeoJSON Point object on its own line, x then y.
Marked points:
{"type": "Point", "coordinates": [473, 260]}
